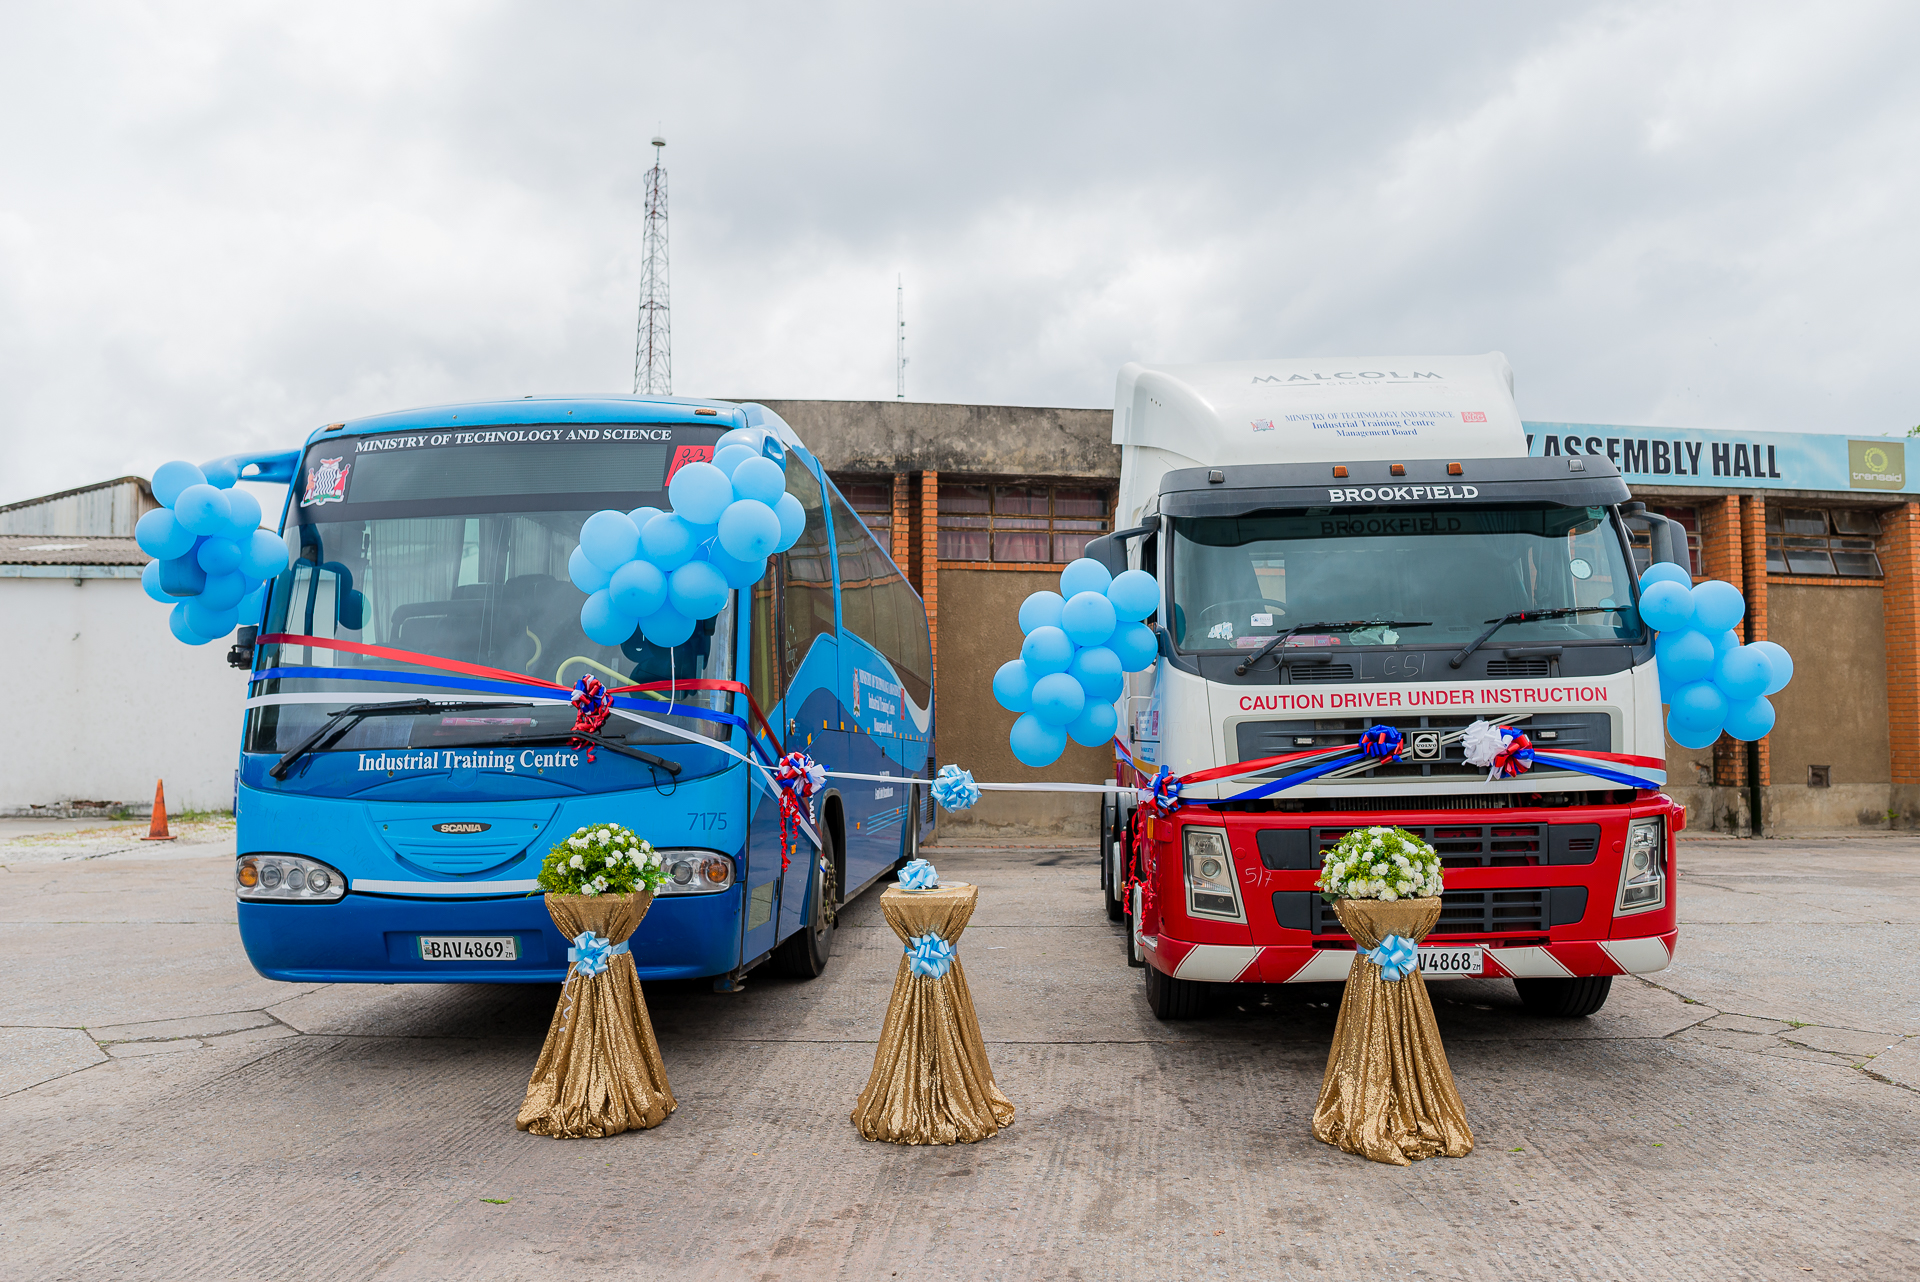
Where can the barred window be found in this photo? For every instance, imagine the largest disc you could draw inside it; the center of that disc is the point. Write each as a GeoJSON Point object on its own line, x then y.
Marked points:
{"type": "Point", "coordinates": [1825, 541]}
{"type": "Point", "coordinates": [871, 499]}
{"type": "Point", "coordinates": [1021, 521]}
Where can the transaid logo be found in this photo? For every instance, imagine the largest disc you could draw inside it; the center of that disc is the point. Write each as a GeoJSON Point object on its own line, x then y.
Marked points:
{"type": "Point", "coordinates": [1472, 416]}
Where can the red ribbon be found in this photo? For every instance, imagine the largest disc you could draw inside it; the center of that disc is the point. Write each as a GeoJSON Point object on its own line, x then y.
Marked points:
{"type": "Point", "coordinates": [591, 704]}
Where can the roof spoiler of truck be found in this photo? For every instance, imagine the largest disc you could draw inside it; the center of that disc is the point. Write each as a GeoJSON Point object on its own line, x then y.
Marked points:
{"type": "Point", "coordinates": [1110, 550]}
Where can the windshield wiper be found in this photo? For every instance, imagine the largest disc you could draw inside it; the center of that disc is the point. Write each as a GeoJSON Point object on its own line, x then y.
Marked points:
{"type": "Point", "coordinates": [611, 745]}
{"type": "Point", "coordinates": [1522, 616]}
{"type": "Point", "coordinates": [337, 725]}
{"type": "Point", "coordinates": [1351, 625]}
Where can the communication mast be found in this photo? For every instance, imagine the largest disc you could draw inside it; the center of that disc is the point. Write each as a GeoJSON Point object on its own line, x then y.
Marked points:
{"type": "Point", "coordinates": [653, 346]}
{"type": "Point", "coordinates": [900, 338]}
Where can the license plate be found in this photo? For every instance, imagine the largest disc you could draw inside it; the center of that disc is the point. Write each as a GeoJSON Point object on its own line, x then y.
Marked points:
{"type": "Point", "coordinates": [470, 948]}
{"type": "Point", "coordinates": [1448, 963]}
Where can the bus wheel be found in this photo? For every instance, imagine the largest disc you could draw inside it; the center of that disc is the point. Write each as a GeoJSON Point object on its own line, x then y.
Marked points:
{"type": "Point", "coordinates": [804, 953]}
{"type": "Point", "coordinates": [1170, 998]}
{"type": "Point", "coordinates": [1564, 998]}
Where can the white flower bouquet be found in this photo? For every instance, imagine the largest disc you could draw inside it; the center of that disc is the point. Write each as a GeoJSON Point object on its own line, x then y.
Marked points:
{"type": "Point", "coordinates": [1380, 863]}
{"type": "Point", "coordinates": [601, 859]}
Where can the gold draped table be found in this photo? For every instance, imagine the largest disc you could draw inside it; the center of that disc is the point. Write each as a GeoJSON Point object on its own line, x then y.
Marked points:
{"type": "Point", "coordinates": [931, 1083]}
{"type": "Point", "coordinates": [1389, 1093]}
{"type": "Point", "coordinates": [600, 1071]}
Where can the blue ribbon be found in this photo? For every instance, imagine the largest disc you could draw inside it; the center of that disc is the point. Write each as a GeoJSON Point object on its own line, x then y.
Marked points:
{"type": "Point", "coordinates": [1166, 791]}
{"type": "Point", "coordinates": [929, 955]}
{"type": "Point", "coordinates": [955, 789]}
{"type": "Point", "coordinates": [591, 953]}
{"type": "Point", "coordinates": [919, 875]}
{"type": "Point", "coordinates": [1382, 741]}
{"type": "Point", "coordinates": [1396, 957]}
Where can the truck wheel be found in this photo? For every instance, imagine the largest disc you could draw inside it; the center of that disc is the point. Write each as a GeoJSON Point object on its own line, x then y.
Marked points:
{"type": "Point", "coordinates": [1564, 998]}
{"type": "Point", "coordinates": [1170, 998]}
{"type": "Point", "coordinates": [804, 953]}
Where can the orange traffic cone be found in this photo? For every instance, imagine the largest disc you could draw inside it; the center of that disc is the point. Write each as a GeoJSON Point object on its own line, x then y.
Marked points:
{"type": "Point", "coordinates": [157, 830]}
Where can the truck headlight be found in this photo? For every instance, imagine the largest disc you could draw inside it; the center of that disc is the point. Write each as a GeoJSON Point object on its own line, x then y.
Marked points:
{"type": "Point", "coordinates": [1211, 888]}
{"type": "Point", "coordinates": [286, 879]}
{"type": "Point", "coordinates": [694, 872]}
{"type": "Point", "coordinates": [1643, 869]}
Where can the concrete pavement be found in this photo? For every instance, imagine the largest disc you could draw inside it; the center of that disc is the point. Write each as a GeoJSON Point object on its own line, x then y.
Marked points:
{"type": "Point", "coordinates": [1749, 1112]}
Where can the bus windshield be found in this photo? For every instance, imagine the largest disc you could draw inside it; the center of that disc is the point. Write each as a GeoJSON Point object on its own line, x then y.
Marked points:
{"type": "Point", "coordinates": [1430, 576]}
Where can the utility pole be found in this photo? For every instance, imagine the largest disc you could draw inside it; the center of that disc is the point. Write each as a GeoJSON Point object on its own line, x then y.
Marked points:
{"type": "Point", "coordinates": [653, 345]}
{"type": "Point", "coordinates": [900, 338]}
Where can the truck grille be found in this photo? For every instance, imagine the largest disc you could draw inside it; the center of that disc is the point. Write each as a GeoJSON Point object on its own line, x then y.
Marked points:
{"type": "Point", "coordinates": [1471, 912]}
{"type": "Point", "coordinates": [1458, 845]}
{"type": "Point", "coordinates": [1550, 731]}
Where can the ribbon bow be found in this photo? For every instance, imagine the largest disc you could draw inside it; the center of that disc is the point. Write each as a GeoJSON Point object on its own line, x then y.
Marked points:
{"type": "Point", "coordinates": [1396, 957]}
{"type": "Point", "coordinates": [1383, 741]}
{"type": "Point", "coordinates": [919, 875]}
{"type": "Point", "coordinates": [955, 789]}
{"type": "Point", "coordinates": [1502, 749]}
{"type": "Point", "coordinates": [1165, 792]}
{"type": "Point", "coordinates": [799, 777]}
{"type": "Point", "coordinates": [591, 953]}
{"type": "Point", "coordinates": [929, 955]}
{"type": "Point", "coordinates": [592, 705]}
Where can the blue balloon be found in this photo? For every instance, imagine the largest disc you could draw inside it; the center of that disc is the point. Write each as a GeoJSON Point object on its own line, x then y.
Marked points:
{"type": "Point", "coordinates": [668, 541]}
{"type": "Point", "coordinates": [222, 592]}
{"type": "Point", "coordinates": [667, 628]}
{"type": "Point", "coordinates": [1781, 662]}
{"type": "Point", "coordinates": [637, 589]}
{"type": "Point", "coordinates": [1135, 594]}
{"type": "Point", "coordinates": [700, 493]}
{"type": "Point", "coordinates": [1690, 737]}
{"type": "Point", "coordinates": [760, 479]}
{"type": "Point", "coordinates": [640, 516]}
{"type": "Point", "coordinates": [1136, 645]}
{"type": "Point", "coordinates": [731, 455]}
{"type": "Point", "coordinates": [1034, 742]}
{"type": "Point", "coordinates": [793, 521]}
{"type": "Point", "coordinates": [738, 574]}
{"type": "Point", "coordinates": [252, 605]}
{"type": "Point", "coordinates": [1041, 610]}
{"type": "Point", "coordinates": [1099, 673]}
{"type": "Point", "coordinates": [1667, 607]}
{"type": "Point", "coordinates": [1094, 726]}
{"type": "Point", "coordinates": [1685, 657]}
{"type": "Point", "coordinates": [218, 556]}
{"type": "Point", "coordinates": [1084, 575]}
{"type": "Point", "coordinates": [1743, 674]}
{"type": "Point", "coordinates": [243, 515]}
{"type": "Point", "coordinates": [170, 479]}
{"type": "Point", "coordinates": [1046, 651]}
{"type": "Point", "coordinates": [697, 590]}
{"type": "Point", "coordinates": [1698, 706]}
{"type": "Point", "coordinates": [1724, 644]}
{"type": "Point", "coordinates": [181, 629]}
{"type": "Point", "coordinates": [1717, 606]}
{"type": "Point", "coordinates": [603, 624]}
{"type": "Point", "coordinates": [203, 509]}
{"type": "Point", "coordinates": [264, 555]}
{"type": "Point", "coordinates": [210, 622]}
{"type": "Point", "coordinates": [586, 576]}
{"type": "Point", "coordinates": [749, 530]}
{"type": "Point", "coordinates": [1666, 572]}
{"type": "Point", "coordinates": [150, 580]}
{"type": "Point", "coordinates": [1012, 687]}
{"type": "Point", "coordinates": [182, 576]}
{"type": "Point", "coordinates": [1058, 698]}
{"type": "Point", "coordinates": [220, 474]}
{"type": "Point", "coordinates": [609, 539]}
{"type": "Point", "coordinates": [1750, 719]}
{"type": "Point", "coordinates": [352, 610]}
{"type": "Point", "coordinates": [160, 534]}
{"type": "Point", "coordinates": [1088, 618]}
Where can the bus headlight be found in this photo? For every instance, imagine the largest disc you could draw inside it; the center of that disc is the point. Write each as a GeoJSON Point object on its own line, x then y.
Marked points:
{"type": "Point", "coordinates": [694, 872]}
{"type": "Point", "coordinates": [286, 879]}
{"type": "Point", "coordinates": [1643, 869]}
{"type": "Point", "coordinates": [1211, 891]}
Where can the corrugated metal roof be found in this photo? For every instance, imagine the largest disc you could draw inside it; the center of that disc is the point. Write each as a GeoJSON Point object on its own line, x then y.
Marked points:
{"type": "Point", "coordinates": [69, 549]}
{"type": "Point", "coordinates": [107, 509]}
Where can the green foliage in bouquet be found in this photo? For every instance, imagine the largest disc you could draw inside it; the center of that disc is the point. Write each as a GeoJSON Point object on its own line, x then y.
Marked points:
{"type": "Point", "coordinates": [601, 859]}
{"type": "Point", "coordinates": [1380, 863]}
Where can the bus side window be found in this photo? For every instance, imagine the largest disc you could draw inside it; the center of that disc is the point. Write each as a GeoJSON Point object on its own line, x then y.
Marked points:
{"type": "Point", "coordinates": [807, 575]}
{"type": "Point", "coordinates": [852, 543]}
{"type": "Point", "coordinates": [907, 645]}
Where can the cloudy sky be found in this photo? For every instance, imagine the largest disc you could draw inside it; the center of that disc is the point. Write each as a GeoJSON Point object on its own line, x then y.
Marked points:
{"type": "Point", "coordinates": [223, 223]}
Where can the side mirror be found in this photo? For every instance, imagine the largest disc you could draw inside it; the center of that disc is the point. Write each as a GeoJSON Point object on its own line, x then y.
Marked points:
{"type": "Point", "coordinates": [240, 653]}
{"type": "Point", "coordinates": [1110, 550]}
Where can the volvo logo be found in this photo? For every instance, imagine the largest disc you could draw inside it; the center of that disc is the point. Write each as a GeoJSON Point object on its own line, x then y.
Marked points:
{"type": "Point", "coordinates": [1426, 745]}
{"type": "Point", "coordinates": [461, 827]}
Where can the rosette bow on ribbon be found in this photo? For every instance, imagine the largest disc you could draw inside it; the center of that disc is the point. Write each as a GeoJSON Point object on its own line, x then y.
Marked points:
{"type": "Point", "coordinates": [1383, 741]}
{"type": "Point", "coordinates": [955, 789]}
{"type": "Point", "coordinates": [1165, 793]}
{"type": "Point", "coordinates": [919, 875]}
{"type": "Point", "coordinates": [799, 777]}
{"type": "Point", "coordinates": [1396, 957]}
{"type": "Point", "coordinates": [1505, 751]}
{"type": "Point", "coordinates": [592, 705]}
{"type": "Point", "coordinates": [929, 955]}
{"type": "Point", "coordinates": [591, 953]}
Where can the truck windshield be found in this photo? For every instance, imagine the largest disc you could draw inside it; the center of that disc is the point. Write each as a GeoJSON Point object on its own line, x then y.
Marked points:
{"type": "Point", "coordinates": [462, 556]}
{"type": "Point", "coordinates": [1447, 572]}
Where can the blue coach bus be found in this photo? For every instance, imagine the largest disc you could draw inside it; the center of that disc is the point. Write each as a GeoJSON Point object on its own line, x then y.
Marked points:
{"type": "Point", "coordinates": [407, 758]}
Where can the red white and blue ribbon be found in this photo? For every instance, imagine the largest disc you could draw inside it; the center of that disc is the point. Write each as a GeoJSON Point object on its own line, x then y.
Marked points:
{"type": "Point", "coordinates": [591, 707]}
{"type": "Point", "coordinates": [799, 777]}
{"type": "Point", "coordinates": [1382, 741]}
{"type": "Point", "coordinates": [1164, 794]}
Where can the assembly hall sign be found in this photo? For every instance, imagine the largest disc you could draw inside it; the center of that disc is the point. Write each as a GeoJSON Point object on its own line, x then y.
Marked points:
{"type": "Point", "coordinates": [1744, 460]}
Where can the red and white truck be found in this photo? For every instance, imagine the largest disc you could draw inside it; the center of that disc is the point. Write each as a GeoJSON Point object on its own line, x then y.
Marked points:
{"type": "Point", "coordinates": [1344, 544]}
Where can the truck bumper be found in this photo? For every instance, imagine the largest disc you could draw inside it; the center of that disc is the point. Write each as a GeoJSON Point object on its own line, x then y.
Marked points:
{"type": "Point", "coordinates": [1285, 964]}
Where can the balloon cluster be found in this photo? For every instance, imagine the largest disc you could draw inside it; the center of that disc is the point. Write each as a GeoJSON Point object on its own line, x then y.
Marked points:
{"type": "Point", "coordinates": [212, 556]}
{"type": "Point", "coordinates": [1708, 680]}
{"type": "Point", "coordinates": [663, 572]}
{"type": "Point", "coordinates": [1080, 643]}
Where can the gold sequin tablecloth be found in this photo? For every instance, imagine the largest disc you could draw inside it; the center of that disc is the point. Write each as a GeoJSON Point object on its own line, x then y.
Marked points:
{"type": "Point", "coordinates": [1389, 1093]}
{"type": "Point", "coordinates": [931, 1083]}
{"type": "Point", "coordinates": [600, 1071]}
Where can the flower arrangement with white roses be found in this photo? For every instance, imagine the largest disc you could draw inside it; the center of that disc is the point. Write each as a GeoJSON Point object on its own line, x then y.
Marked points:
{"type": "Point", "coordinates": [601, 859]}
{"type": "Point", "coordinates": [1380, 863]}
